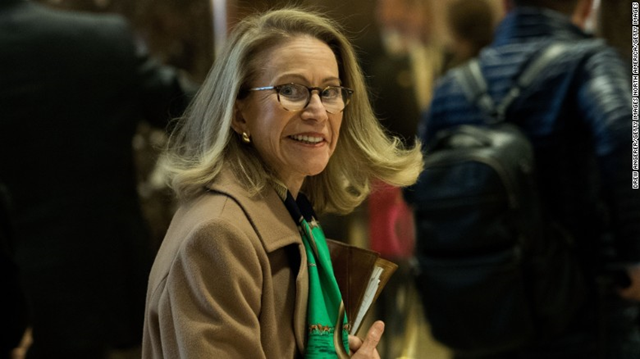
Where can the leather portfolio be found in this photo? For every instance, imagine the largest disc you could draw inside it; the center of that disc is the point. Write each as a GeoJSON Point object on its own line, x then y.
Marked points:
{"type": "Point", "coordinates": [361, 275]}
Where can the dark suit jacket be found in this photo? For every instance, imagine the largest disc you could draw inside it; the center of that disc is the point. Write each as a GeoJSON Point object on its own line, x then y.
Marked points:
{"type": "Point", "coordinates": [73, 87]}
{"type": "Point", "coordinates": [13, 310]}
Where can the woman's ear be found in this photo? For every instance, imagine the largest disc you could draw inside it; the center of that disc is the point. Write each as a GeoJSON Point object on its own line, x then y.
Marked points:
{"type": "Point", "coordinates": [239, 124]}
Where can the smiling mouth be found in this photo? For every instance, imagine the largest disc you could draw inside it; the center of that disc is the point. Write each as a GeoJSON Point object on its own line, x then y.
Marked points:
{"type": "Point", "coordinates": [307, 139]}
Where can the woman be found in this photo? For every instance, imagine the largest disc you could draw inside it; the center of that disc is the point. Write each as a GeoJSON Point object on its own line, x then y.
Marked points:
{"type": "Point", "coordinates": [244, 270]}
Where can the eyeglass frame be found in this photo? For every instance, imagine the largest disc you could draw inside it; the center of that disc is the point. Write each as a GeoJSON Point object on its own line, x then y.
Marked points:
{"type": "Point", "coordinates": [309, 89]}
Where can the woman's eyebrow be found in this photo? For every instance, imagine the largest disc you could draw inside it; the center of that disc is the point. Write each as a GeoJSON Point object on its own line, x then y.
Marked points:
{"type": "Point", "coordinates": [303, 79]}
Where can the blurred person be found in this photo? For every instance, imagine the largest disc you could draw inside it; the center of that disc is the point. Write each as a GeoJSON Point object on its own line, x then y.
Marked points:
{"type": "Point", "coordinates": [471, 23]}
{"type": "Point", "coordinates": [420, 40]}
{"type": "Point", "coordinates": [577, 114]}
{"type": "Point", "coordinates": [281, 128]}
{"type": "Point", "coordinates": [387, 64]}
{"type": "Point", "coordinates": [401, 71]}
{"type": "Point", "coordinates": [74, 87]}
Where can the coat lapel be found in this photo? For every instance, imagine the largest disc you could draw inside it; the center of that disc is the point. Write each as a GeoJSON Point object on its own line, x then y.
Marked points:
{"type": "Point", "coordinates": [275, 228]}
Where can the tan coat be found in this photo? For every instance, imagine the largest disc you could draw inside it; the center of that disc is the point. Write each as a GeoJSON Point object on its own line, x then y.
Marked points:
{"type": "Point", "coordinates": [227, 281]}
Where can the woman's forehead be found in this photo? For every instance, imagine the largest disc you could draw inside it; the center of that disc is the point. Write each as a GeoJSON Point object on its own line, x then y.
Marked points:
{"type": "Point", "coordinates": [302, 56]}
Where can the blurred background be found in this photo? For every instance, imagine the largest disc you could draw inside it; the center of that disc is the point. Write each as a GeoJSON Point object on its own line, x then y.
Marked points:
{"type": "Point", "coordinates": [403, 45]}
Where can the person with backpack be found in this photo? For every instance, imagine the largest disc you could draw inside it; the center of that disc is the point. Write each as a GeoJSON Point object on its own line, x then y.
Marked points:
{"type": "Point", "coordinates": [527, 223]}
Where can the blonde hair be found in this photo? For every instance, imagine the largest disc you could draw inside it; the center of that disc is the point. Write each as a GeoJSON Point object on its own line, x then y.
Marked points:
{"type": "Point", "coordinates": [203, 141]}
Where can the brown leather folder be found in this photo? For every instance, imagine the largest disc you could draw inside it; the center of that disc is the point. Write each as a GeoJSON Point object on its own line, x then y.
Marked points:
{"type": "Point", "coordinates": [353, 268]}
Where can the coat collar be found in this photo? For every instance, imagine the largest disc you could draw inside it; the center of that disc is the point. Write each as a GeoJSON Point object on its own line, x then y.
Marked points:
{"type": "Point", "coordinates": [276, 229]}
{"type": "Point", "coordinates": [266, 211]}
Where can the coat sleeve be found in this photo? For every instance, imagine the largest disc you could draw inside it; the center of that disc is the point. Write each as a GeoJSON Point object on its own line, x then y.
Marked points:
{"type": "Point", "coordinates": [606, 106]}
{"type": "Point", "coordinates": [164, 92]}
{"type": "Point", "coordinates": [161, 92]}
{"type": "Point", "coordinates": [209, 303]}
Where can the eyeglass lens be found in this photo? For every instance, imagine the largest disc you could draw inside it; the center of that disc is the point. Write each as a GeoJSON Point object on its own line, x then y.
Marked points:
{"type": "Point", "coordinates": [295, 97]}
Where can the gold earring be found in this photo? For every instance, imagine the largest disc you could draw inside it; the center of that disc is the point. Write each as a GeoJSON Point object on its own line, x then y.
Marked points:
{"type": "Point", "coordinates": [246, 138]}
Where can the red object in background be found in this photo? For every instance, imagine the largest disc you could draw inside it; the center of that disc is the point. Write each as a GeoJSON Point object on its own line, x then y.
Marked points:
{"type": "Point", "coordinates": [391, 224]}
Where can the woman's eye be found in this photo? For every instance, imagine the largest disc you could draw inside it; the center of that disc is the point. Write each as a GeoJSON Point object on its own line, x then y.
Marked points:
{"type": "Point", "coordinates": [331, 92]}
{"type": "Point", "coordinates": [292, 91]}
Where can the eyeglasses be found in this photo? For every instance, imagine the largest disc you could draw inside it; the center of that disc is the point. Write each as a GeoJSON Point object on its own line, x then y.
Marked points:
{"type": "Point", "coordinates": [296, 97]}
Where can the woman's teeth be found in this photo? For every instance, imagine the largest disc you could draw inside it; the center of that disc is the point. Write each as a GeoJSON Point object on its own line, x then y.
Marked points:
{"type": "Point", "coordinates": [307, 139]}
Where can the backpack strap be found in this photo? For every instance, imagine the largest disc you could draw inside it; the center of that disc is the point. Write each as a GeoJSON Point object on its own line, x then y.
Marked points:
{"type": "Point", "coordinates": [474, 86]}
{"type": "Point", "coordinates": [470, 77]}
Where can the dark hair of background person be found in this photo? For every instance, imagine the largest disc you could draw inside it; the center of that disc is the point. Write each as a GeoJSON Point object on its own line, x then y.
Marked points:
{"type": "Point", "coordinates": [471, 24]}
{"type": "Point", "coordinates": [472, 20]}
{"type": "Point", "coordinates": [563, 6]}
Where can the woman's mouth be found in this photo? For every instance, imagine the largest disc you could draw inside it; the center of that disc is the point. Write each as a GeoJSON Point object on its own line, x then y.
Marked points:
{"type": "Point", "coordinates": [312, 140]}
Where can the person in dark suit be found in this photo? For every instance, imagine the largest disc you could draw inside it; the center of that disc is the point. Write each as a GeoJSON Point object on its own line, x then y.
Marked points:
{"type": "Point", "coordinates": [74, 87]}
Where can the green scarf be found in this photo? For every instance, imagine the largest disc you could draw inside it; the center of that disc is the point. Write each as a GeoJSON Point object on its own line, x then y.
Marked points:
{"type": "Point", "coordinates": [325, 309]}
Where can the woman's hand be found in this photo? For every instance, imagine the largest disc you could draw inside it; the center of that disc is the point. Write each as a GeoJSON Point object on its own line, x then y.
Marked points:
{"type": "Point", "coordinates": [367, 349]}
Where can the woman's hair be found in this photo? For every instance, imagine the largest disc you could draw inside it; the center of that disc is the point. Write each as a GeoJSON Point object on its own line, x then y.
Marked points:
{"type": "Point", "coordinates": [203, 142]}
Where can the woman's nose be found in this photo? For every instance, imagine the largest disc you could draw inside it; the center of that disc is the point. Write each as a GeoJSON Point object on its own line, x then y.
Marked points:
{"type": "Point", "coordinates": [315, 109]}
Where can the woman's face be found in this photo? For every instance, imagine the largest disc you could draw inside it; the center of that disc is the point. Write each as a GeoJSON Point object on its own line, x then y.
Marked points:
{"type": "Point", "coordinates": [295, 144]}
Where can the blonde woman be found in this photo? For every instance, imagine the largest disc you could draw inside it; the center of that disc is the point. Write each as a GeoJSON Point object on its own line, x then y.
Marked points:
{"type": "Point", "coordinates": [281, 129]}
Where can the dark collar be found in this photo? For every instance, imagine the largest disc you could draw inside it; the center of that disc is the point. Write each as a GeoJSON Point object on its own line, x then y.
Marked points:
{"type": "Point", "coordinates": [531, 24]}
{"type": "Point", "coordinates": [300, 208]}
